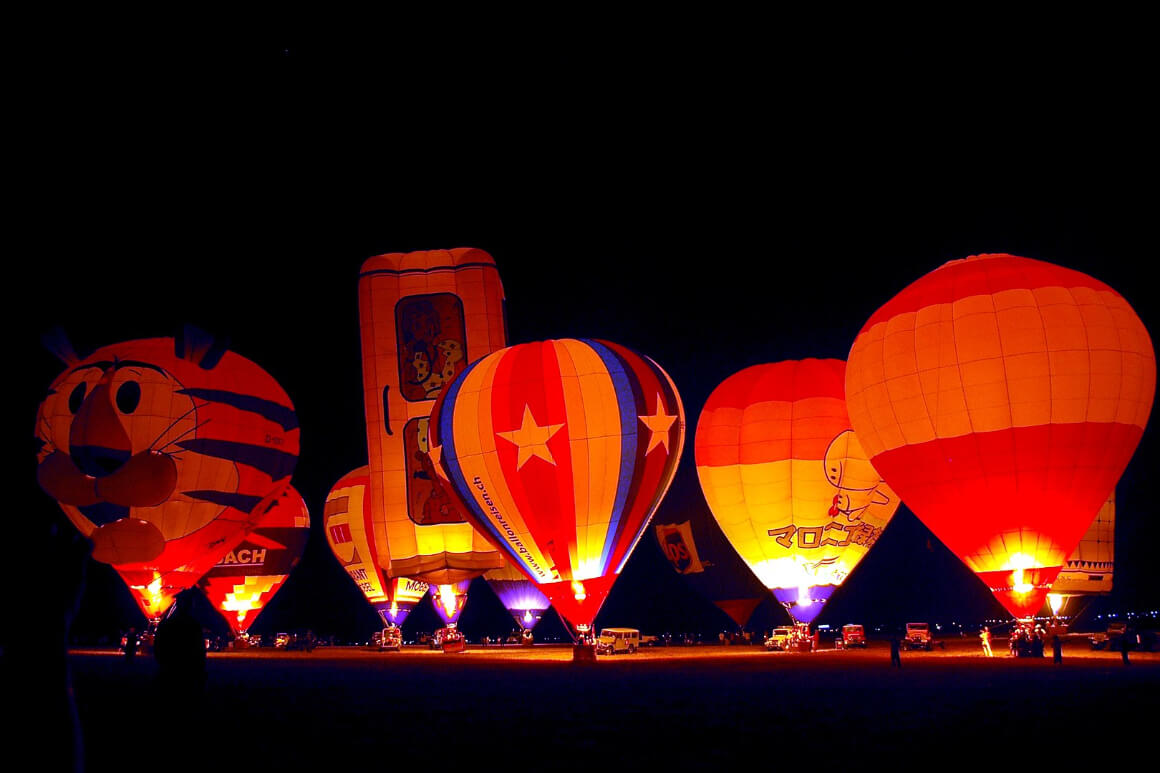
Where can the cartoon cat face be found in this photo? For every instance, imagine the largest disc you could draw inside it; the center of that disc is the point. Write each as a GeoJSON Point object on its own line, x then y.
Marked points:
{"type": "Point", "coordinates": [141, 446]}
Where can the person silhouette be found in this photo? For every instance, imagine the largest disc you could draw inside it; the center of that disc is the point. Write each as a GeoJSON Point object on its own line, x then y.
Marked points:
{"type": "Point", "coordinates": [895, 656]}
{"type": "Point", "coordinates": [1056, 649]}
{"type": "Point", "coordinates": [179, 649]}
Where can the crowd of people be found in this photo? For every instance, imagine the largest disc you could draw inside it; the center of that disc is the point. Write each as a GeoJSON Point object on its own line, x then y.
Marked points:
{"type": "Point", "coordinates": [1027, 640]}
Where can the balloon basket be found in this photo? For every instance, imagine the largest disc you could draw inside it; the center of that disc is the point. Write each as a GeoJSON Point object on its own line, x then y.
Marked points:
{"type": "Point", "coordinates": [584, 653]}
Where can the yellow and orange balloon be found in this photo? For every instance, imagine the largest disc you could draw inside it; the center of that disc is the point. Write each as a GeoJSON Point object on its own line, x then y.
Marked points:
{"type": "Point", "coordinates": [1002, 397]}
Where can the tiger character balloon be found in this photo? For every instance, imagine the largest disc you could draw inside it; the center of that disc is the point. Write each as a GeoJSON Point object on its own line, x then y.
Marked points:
{"type": "Point", "coordinates": [164, 452]}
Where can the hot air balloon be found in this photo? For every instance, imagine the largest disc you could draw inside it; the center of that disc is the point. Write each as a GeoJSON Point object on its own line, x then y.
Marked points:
{"type": "Point", "coordinates": [697, 550]}
{"type": "Point", "coordinates": [351, 536]}
{"type": "Point", "coordinates": [252, 572]}
{"type": "Point", "coordinates": [1002, 398]}
{"type": "Point", "coordinates": [1088, 570]}
{"type": "Point", "coordinates": [164, 452]}
{"type": "Point", "coordinates": [562, 449]}
{"type": "Point", "coordinates": [519, 595]}
{"type": "Point", "coordinates": [788, 481]}
{"type": "Point", "coordinates": [424, 316]}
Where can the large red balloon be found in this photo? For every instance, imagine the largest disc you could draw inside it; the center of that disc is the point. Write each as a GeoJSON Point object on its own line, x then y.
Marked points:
{"type": "Point", "coordinates": [1002, 398]}
{"type": "Point", "coordinates": [562, 450]}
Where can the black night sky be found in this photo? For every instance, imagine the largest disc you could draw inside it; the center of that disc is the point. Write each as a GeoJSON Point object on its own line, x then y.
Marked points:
{"type": "Point", "coordinates": [712, 210]}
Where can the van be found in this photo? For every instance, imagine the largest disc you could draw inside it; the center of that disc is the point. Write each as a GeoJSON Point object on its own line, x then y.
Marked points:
{"type": "Point", "coordinates": [614, 640]}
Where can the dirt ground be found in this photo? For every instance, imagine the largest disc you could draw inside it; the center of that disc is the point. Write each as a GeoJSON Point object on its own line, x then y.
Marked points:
{"type": "Point", "coordinates": [268, 710]}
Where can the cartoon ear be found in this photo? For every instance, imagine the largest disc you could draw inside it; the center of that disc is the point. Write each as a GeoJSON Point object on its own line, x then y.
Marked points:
{"type": "Point", "coordinates": [199, 347]}
{"type": "Point", "coordinates": [56, 341]}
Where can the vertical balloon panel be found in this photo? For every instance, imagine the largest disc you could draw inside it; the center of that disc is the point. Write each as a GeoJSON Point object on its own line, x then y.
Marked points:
{"type": "Point", "coordinates": [1003, 397]}
{"type": "Point", "coordinates": [424, 316]}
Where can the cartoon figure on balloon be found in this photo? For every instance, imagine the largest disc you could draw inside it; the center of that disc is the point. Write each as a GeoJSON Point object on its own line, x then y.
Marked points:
{"type": "Point", "coordinates": [429, 501]}
{"type": "Point", "coordinates": [431, 346]}
{"type": "Point", "coordinates": [165, 452]}
{"type": "Point", "coordinates": [849, 471]}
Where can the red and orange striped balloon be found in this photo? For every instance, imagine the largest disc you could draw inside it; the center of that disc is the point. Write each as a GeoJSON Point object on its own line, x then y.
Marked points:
{"type": "Point", "coordinates": [562, 450]}
{"type": "Point", "coordinates": [1002, 398]}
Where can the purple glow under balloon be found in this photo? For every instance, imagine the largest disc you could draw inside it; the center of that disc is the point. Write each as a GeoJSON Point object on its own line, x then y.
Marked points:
{"type": "Point", "coordinates": [804, 604]}
{"type": "Point", "coordinates": [393, 614]}
{"type": "Point", "coordinates": [522, 599]}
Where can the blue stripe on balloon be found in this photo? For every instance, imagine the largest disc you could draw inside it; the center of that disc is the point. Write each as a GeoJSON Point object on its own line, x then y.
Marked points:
{"type": "Point", "coordinates": [666, 387]}
{"type": "Point", "coordinates": [629, 438]}
{"type": "Point", "coordinates": [451, 462]}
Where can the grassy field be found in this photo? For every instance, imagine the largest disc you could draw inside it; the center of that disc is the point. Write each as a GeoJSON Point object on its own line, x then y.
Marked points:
{"type": "Point", "coordinates": [266, 710]}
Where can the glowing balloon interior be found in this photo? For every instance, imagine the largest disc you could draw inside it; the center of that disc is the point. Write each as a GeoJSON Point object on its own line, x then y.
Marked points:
{"type": "Point", "coordinates": [563, 450]}
{"type": "Point", "coordinates": [449, 600]}
{"type": "Point", "coordinates": [1002, 397]}
{"type": "Point", "coordinates": [251, 573]}
{"type": "Point", "coordinates": [519, 595]}
{"type": "Point", "coordinates": [788, 481]}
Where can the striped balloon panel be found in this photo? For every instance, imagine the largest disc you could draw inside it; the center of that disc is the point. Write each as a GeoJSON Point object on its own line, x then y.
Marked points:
{"type": "Point", "coordinates": [1003, 397]}
{"type": "Point", "coordinates": [424, 316]}
{"type": "Point", "coordinates": [563, 450]}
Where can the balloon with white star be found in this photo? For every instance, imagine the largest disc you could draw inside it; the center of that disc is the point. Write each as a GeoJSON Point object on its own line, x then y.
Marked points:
{"type": "Point", "coordinates": [562, 451]}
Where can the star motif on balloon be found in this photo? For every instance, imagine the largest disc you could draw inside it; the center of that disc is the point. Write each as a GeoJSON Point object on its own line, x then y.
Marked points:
{"type": "Point", "coordinates": [659, 424]}
{"type": "Point", "coordinates": [531, 439]}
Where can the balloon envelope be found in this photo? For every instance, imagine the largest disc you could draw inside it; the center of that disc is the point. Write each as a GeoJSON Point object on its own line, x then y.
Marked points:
{"type": "Point", "coordinates": [1002, 397]}
{"type": "Point", "coordinates": [1089, 569]}
{"type": "Point", "coordinates": [165, 452]}
{"type": "Point", "coordinates": [251, 573]}
{"type": "Point", "coordinates": [563, 449]}
{"type": "Point", "coordinates": [692, 541]}
{"type": "Point", "coordinates": [423, 316]}
{"type": "Point", "coordinates": [350, 533]}
{"type": "Point", "coordinates": [788, 481]}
